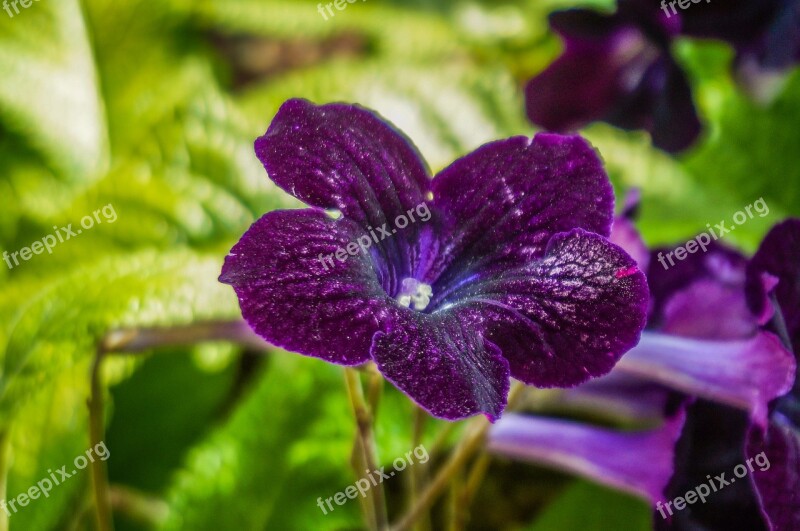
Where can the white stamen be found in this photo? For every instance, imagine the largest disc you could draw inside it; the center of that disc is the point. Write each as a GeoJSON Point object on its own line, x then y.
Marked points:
{"type": "Point", "coordinates": [414, 294]}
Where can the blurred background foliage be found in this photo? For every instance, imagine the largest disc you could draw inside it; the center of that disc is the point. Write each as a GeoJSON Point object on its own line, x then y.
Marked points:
{"type": "Point", "coordinates": [153, 107]}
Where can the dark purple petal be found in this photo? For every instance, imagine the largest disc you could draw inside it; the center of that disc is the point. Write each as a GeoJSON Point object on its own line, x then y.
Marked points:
{"type": "Point", "coordinates": [668, 276]}
{"type": "Point", "coordinates": [674, 125]}
{"type": "Point", "coordinates": [779, 257]}
{"type": "Point", "coordinates": [747, 374]}
{"type": "Point", "coordinates": [443, 365]}
{"type": "Point", "coordinates": [777, 480]}
{"type": "Point", "coordinates": [292, 299]}
{"type": "Point", "coordinates": [586, 82]}
{"type": "Point", "coordinates": [765, 34]}
{"type": "Point", "coordinates": [781, 44]}
{"type": "Point", "coordinates": [768, 29]}
{"type": "Point", "coordinates": [712, 443]}
{"type": "Point", "coordinates": [347, 158]}
{"type": "Point", "coordinates": [763, 63]}
{"type": "Point", "coordinates": [564, 318]}
{"type": "Point", "coordinates": [343, 157]}
{"type": "Point", "coordinates": [708, 309]}
{"type": "Point", "coordinates": [624, 234]}
{"type": "Point", "coordinates": [637, 462]}
{"type": "Point", "coordinates": [504, 201]}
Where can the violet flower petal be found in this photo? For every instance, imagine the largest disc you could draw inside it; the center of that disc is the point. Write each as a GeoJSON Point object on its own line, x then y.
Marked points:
{"type": "Point", "coordinates": [668, 276]}
{"type": "Point", "coordinates": [640, 463]}
{"type": "Point", "coordinates": [618, 394]}
{"type": "Point", "coordinates": [624, 234]}
{"type": "Point", "coordinates": [293, 300]}
{"type": "Point", "coordinates": [347, 158]}
{"type": "Point", "coordinates": [747, 373]}
{"type": "Point", "coordinates": [564, 318]}
{"type": "Point", "coordinates": [712, 443]}
{"type": "Point", "coordinates": [504, 201]}
{"type": "Point", "coordinates": [343, 157]}
{"type": "Point", "coordinates": [779, 257]}
{"type": "Point", "coordinates": [444, 366]}
{"type": "Point", "coordinates": [778, 486]}
{"type": "Point", "coordinates": [708, 309]}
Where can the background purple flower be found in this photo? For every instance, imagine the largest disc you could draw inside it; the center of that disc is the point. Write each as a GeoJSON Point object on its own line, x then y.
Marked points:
{"type": "Point", "coordinates": [739, 371]}
{"type": "Point", "coordinates": [514, 268]}
{"type": "Point", "coordinates": [616, 68]}
{"type": "Point", "coordinates": [765, 35]}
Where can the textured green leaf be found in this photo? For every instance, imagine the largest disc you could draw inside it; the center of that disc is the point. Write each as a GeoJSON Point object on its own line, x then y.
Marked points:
{"type": "Point", "coordinates": [53, 327]}
{"type": "Point", "coordinates": [254, 472]}
{"type": "Point", "coordinates": [446, 111]}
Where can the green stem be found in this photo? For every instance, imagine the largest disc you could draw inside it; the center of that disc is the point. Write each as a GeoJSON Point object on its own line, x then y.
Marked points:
{"type": "Point", "coordinates": [140, 339]}
{"type": "Point", "coordinates": [102, 498]}
{"type": "Point", "coordinates": [471, 443]}
{"type": "Point", "coordinates": [467, 493]}
{"type": "Point", "coordinates": [376, 513]}
{"type": "Point", "coordinates": [139, 506]}
{"type": "Point", "coordinates": [418, 473]}
{"type": "Point", "coordinates": [5, 467]}
{"type": "Point", "coordinates": [457, 459]}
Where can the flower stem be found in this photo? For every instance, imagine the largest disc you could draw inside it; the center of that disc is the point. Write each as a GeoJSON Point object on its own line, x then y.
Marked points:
{"type": "Point", "coordinates": [472, 441]}
{"type": "Point", "coordinates": [418, 473]}
{"type": "Point", "coordinates": [365, 445]}
{"type": "Point", "coordinates": [470, 487]}
{"type": "Point", "coordinates": [105, 521]}
{"type": "Point", "coordinates": [5, 456]}
{"type": "Point", "coordinates": [139, 339]}
{"type": "Point", "coordinates": [458, 458]}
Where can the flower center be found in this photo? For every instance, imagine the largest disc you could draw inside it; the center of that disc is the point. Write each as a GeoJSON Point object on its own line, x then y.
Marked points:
{"type": "Point", "coordinates": [414, 294]}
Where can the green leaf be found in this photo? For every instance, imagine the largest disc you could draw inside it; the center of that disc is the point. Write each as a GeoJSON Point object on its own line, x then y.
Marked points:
{"type": "Point", "coordinates": [585, 506]}
{"type": "Point", "coordinates": [445, 110]}
{"type": "Point", "coordinates": [49, 90]}
{"type": "Point", "coordinates": [53, 327]}
{"type": "Point", "coordinates": [255, 472]}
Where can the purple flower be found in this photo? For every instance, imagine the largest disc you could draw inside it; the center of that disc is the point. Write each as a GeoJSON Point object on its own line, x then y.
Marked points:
{"type": "Point", "coordinates": [705, 342]}
{"type": "Point", "coordinates": [512, 275]}
{"type": "Point", "coordinates": [618, 69]}
{"type": "Point", "coordinates": [764, 33]}
{"type": "Point", "coordinates": [708, 291]}
{"type": "Point", "coordinates": [774, 295]}
{"type": "Point", "coordinates": [637, 462]}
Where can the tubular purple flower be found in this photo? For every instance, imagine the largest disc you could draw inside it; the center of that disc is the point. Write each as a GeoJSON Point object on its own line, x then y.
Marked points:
{"type": "Point", "coordinates": [638, 462]}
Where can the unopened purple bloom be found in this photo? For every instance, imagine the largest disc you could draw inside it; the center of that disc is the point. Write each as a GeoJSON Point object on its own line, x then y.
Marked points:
{"type": "Point", "coordinates": [618, 69]}
{"type": "Point", "coordinates": [511, 275]}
